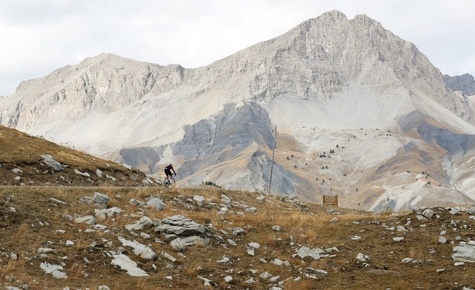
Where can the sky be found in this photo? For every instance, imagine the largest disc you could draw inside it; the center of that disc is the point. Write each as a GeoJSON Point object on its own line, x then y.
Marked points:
{"type": "Point", "coordinates": [39, 36]}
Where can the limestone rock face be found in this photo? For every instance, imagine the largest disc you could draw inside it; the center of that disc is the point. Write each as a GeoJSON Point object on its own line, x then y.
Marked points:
{"type": "Point", "coordinates": [464, 83]}
{"type": "Point", "coordinates": [351, 109]}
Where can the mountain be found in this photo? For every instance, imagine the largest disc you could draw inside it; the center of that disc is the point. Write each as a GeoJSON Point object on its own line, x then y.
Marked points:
{"type": "Point", "coordinates": [350, 109]}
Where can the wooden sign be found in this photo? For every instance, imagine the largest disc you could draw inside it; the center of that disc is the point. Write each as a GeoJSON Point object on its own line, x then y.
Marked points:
{"type": "Point", "coordinates": [330, 200]}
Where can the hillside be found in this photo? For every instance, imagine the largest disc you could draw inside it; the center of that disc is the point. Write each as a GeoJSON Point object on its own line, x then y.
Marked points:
{"type": "Point", "coordinates": [208, 238]}
{"type": "Point", "coordinates": [61, 229]}
{"type": "Point", "coordinates": [32, 161]}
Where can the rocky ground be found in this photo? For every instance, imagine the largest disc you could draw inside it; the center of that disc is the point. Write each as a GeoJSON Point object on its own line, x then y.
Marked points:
{"type": "Point", "coordinates": [157, 238]}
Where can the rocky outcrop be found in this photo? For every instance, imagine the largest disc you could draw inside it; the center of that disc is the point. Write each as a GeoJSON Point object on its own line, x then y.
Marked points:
{"type": "Point", "coordinates": [463, 83]}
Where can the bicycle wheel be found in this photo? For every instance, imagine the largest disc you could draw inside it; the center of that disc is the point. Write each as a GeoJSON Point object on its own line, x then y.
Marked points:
{"type": "Point", "coordinates": [167, 182]}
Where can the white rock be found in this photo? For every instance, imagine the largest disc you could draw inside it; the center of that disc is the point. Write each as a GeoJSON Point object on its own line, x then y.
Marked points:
{"type": "Point", "coordinates": [140, 250]}
{"type": "Point", "coordinates": [362, 257]}
{"type": "Point", "coordinates": [55, 270]}
{"type": "Point", "coordinates": [125, 263]}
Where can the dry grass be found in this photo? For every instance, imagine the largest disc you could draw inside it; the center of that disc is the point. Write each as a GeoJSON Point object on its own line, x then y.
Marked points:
{"type": "Point", "coordinates": [314, 227]}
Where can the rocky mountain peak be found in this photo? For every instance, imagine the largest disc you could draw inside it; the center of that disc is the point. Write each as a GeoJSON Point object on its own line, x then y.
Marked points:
{"type": "Point", "coordinates": [328, 84]}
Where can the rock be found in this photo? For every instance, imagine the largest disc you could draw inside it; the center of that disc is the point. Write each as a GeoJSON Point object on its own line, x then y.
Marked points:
{"type": "Point", "coordinates": [103, 214]}
{"type": "Point", "coordinates": [45, 250]}
{"type": "Point", "coordinates": [180, 226]}
{"type": "Point", "coordinates": [144, 222]}
{"type": "Point", "coordinates": [315, 273]}
{"type": "Point", "coordinates": [315, 253]}
{"type": "Point", "coordinates": [168, 256]}
{"type": "Point", "coordinates": [276, 228]}
{"type": "Point", "coordinates": [228, 279]}
{"type": "Point", "coordinates": [238, 231]}
{"type": "Point", "coordinates": [199, 200]}
{"type": "Point", "coordinates": [17, 171]}
{"type": "Point", "coordinates": [140, 250]}
{"type": "Point", "coordinates": [362, 257]}
{"type": "Point", "coordinates": [155, 203]}
{"type": "Point", "coordinates": [89, 219]}
{"type": "Point", "coordinates": [85, 174]}
{"type": "Point", "coordinates": [232, 243]}
{"type": "Point", "coordinates": [125, 263]}
{"type": "Point", "coordinates": [100, 200]}
{"type": "Point", "coordinates": [464, 252]}
{"type": "Point", "coordinates": [225, 261]}
{"type": "Point", "coordinates": [225, 199]}
{"type": "Point", "coordinates": [428, 213]}
{"type": "Point", "coordinates": [355, 238]}
{"type": "Point", "coordinates": [55, 270]}
{"type": "Point", "coordinates": [208, 282]}
{"type": "Point", "coordinates": [49, 161]}
{"type": "Point", "coordinates": [442, 240]}
{"type": "Point", "coordinates": [180, 244]}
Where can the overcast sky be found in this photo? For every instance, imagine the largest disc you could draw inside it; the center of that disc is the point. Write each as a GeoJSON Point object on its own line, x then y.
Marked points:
{"type": "Point", "coordinates": [39, 36]}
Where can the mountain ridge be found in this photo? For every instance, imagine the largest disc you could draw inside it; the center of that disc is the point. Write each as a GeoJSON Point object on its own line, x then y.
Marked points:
{"type": "Point", "coordinates": [328, 84]}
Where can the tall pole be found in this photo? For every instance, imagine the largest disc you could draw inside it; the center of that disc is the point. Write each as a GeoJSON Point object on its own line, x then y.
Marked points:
{"type": "Point", "coordinates": [272, 164]}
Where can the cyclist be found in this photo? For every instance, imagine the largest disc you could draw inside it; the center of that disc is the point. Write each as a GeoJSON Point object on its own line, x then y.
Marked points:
{"type": "Point", "coordinates": [168, 171]}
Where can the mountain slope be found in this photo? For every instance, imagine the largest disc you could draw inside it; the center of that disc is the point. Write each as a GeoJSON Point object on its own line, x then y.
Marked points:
{"type": "Point", "coordinates": [27, 160]}
{"type": "Point", "coordinates": [348, 98]}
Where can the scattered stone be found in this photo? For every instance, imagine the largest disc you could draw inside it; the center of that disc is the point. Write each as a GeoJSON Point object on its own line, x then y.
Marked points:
{"type": "Point", "coordinates": [464, 252]}
{"type": "Point", "coordinates": [355, 238]}
{"type": "Point", "coordinates": [208, 282]}
{"type": "Point", "coordinates": [49, 161]}
{"type": "Point", "coordinates": [140, 250]}
{"type": "Point", "coordinates": [139, 225]}
{"type": "Point", "coordinates": [155, 203]}
{"type": "Point", "coordinates": [225, 261]}
{"type": "Point", "coordinates": [276, 228]}
{"type": "Point", "coordinates": [55, 270]}
{"type": "Point", "coordinates": [180, 244]}
{"type": "Point", "coordinates": [199, 200]}
{"type": "Point", "coordinates": [362, 257]}
{"type": "Point", "coordinates": [103, 214]}
{"type": "Point", "coordinates": [315, 253]}
{"type": "Point", "coordinates": [89, 219]}
{"type": "Point", "coordinates": [225, 199]}
{"type": "Point", "coordinates": [125, 263]}
{"type": "Point", "coordinates": [168, 256]}
{"type": "Point", "coordinates": [100, 200]}
{"type": "Point", "coordinates": [238, 231]}
{"type": "Point", "coordinates": [85, 174]}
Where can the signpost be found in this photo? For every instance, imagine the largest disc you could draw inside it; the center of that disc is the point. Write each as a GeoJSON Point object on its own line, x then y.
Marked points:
{"type": "Point", "coordinates": [330, 200]}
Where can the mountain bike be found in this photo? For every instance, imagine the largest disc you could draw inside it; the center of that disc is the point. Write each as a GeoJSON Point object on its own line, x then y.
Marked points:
{"type": "Point", "coordinates": [169, 181]}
